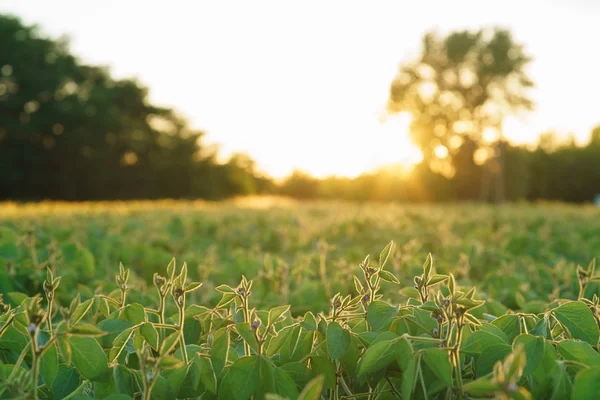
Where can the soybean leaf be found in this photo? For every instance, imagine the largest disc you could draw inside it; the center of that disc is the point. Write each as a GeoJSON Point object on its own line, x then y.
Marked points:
{"type": "Point", "coordinates": [277, 312]}
{"type": "Point", "coordinates": [284, 384]}
{"type": "Point", "coordinates": [86, 330]}
{"type": "Point", "coordinates": [439, 362]}
{"type": "Point", "coordinates": [324, 366]}
{"type": "Point", "coordinates": [65, 383]}
{"type": "Point", "coordinates": [312, 391]}
{"type": "Point", "coordinates": [220, 350]}
{"type": "Point", "coordinates": [133, 313]}
{"type": "Point", "coordinates": [388, 276]}
{"type": "Point", "coordinates": [88, 358]}
{"type": "Point", "coordinates": [579, 320]}
{"type": "Point", "coordinates": [586, 385]}
{"type": "Point", "coordinates": [338, 340]}
{"type": "Point", "coordinates": [49, 365]}
{"type": "Point", "coordinates": [380, 314]}
{"type": "Point", "coordinates": [579, 351]}
{"type": "Point", "coordinates": [247, 333]}
{"type": "Point", "coordinates": [385, 254]}
{"type": "Point", "coordinates": [243, 377]}
{"type": "Point", "coordinates": [510, 325]}
{"type": "Point", "coordinates": [535, 347]}
{"type": "Point", "coordinates": [377, 357]}
{"type": "Point", "coordinates": [489, 357]}
{"type": "Point", "coordinates": [150, 334]}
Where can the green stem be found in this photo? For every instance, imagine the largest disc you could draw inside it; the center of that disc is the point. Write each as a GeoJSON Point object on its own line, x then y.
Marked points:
{"type": "Point", "coordinates": [247, 320]}
{"type": "Point", "coordinates": [35, 364]}
{"type": "Point", "coordinates": [161, 319]}
{"type": "Point", "coordinates": [6, 324]}
{"type": "Point", "coordinates": [181, 336]}
{"type": "Point", "coordinates": [50, 304]}
{"type": "Point", "coordinates": [123, 297]}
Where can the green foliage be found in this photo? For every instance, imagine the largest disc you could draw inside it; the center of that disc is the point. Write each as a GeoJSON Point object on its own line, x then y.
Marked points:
{"type": "Point", "coordinates": [403, 326]}
{"type": "Point", "coordinates": [76, 122]}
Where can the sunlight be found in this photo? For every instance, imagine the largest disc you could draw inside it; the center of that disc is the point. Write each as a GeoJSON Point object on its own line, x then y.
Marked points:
{"type": "Point", "coordinates": [396, 146]}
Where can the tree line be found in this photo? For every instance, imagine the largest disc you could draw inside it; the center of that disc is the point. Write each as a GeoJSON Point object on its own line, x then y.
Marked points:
{"type": "Point", "coordinates": [71, 131]}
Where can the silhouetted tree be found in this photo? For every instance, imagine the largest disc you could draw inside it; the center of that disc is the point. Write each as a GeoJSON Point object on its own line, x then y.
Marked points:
{"type": "Point", "coordinates": [460, 86]}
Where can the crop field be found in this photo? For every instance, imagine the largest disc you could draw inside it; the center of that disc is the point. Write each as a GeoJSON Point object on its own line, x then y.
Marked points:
{"type": "Point", "coordinates": [267, 299]}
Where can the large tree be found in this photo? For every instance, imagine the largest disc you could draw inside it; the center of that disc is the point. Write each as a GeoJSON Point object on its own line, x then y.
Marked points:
{"type": "Point", "coordinates": [71, 131]}
{"type": "Point", "coordinates": [461, 86]}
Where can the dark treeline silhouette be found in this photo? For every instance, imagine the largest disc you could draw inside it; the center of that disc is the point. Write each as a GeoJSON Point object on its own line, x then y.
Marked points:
{"type": "Point", "coordinates": [70, 131]}
{"type": "Point", "coordinates": [559, 172]}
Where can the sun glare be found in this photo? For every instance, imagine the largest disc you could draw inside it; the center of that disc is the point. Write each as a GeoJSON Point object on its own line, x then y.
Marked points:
{"type": "Point", "coordinates": [396, 146]}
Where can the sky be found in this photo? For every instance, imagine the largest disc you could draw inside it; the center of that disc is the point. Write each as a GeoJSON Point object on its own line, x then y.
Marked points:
{"type": "Point", "coordinates": [303, 84]}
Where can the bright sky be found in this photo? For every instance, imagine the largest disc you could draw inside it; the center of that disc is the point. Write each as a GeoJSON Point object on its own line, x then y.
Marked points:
{"type": "Point", "coordinates": [303, 84]}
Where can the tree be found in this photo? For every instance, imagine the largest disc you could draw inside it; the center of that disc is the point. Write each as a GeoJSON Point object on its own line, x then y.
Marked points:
{"type": "Point", "coordinates": [70, 131]}
{"type": "Point", "coordinates": [458, 88]}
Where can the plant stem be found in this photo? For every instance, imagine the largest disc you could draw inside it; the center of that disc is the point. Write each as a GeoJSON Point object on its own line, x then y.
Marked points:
{"type": "Point", "coordinates": [35, 364]}
{"type": "Point", "coordinates": [181, 336]}
{"type": "Point", "coordinates": [247, 320]}
{"type": "Point", "coordinates": [6, 324]}
{"type": "Point", "coordinates": [50, 304]}
{"type": "Point", "coordinates": [161, 319]}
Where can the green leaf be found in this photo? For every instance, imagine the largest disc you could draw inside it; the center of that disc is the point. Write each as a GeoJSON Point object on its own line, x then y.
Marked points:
{"type": "Point", "coordinates": [285, 385]}
{"type": "Point", "coordinates": [169, 362]}
{"type": "Point", "coordinates": [338, 340]}
{"type": "Point", "coordinates": [324, 366]}
{"type": "Point", "coordinates": [380, 314]}
{"type": "Point", "coordinates": [113, 328]}
{"type": "Point", "coordinates": [65, 383]}
{"type": "Point", "coordinates": [226, 299]}
{"type": "Point", "coordinates": [86, 330]}
{"type": "Point", "coordinates": [133, 313]}
{"type": "Point", "coordinates": [119, 343]}
{"type": "Point", "coordinates": [437, 278]}
{"type": "Point", "coordinates": [81, 310]}
{"type": "Point", "coordinates": [247, 333]}
{"type": "Point", "coordinates": [224, 289]}
{"type": "Point", "coordinates": [586, 386]}
{"type": "Point", "coordinates": [579, 351]}
{"type": "Point", "coordinates": [124, 380]}
{"type": "Point", "coordinates": [277, 312]}
{"type": "Point", "coordinates": [243, 377]}
{"type": "Point", "coordinates": [88, 357]}
{"type": "Point", "coordinates": [312, 391]}
{"type": "Point", "coordinates": [49, 365]}
{"type": "Point", "coordinates": [409, 378]}
{"type": "Point", "coordinates": [220, 350]}
{"type": "Point", "coordinates": [309, 322]}
{"type": "Point", "coordinates": [207, 374]}
{"type": "Point", "coordinates": [579, 320]}
{"type": "Point", "coordinates": [192, 286]}
{"type": "Point", "coordinates": [534, 349]}
{"type": "Point", "coordinates": [489, 357]}
{"type": "Point", "coordinates": [439, 362]}
{"type": "Point", "coordinates": [510, 325]}
{"type": "Point", "coordinates": [542, 328]}
{"type": "Point", "coordinates": [480, 341]}
{"type": "Point", "coordinates": [150, 334]}
{"type": "Point", "coordinates": [378, 356]}
{"type": "Point", "coordinates": [388, 276]}
{"type": "Point", "coordinates": [482, 387]}
{"type": "Point", "coordinates": [385, 254]}
{"type": "Point", "coordinates": [428, 265]}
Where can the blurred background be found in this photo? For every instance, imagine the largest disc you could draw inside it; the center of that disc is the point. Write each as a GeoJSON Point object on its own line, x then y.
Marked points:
{"type": "Point", "coordinates": [386, 101]}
